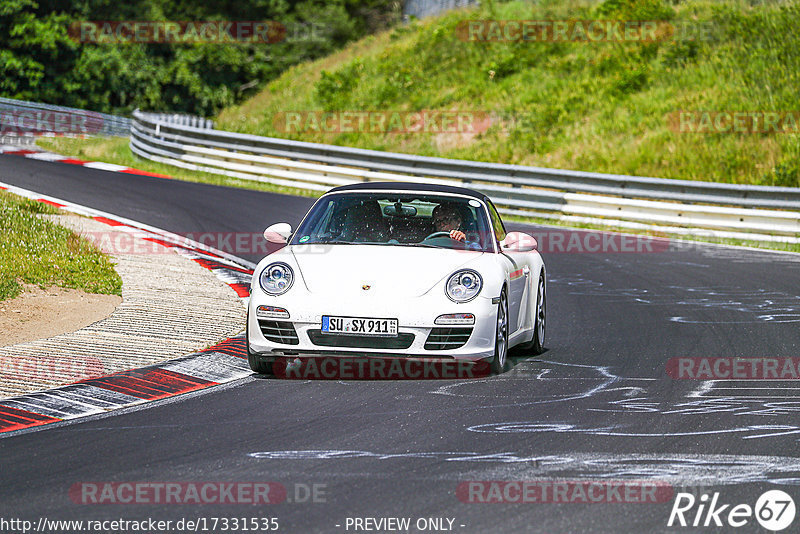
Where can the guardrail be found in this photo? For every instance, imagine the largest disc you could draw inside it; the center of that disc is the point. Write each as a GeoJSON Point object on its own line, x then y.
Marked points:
{"type": "Point", "coordinates": [428, 8]}
{"type": "Point", "coordinates": [678, 206]}
{"type": "Point", "coordinates": [22, 119]}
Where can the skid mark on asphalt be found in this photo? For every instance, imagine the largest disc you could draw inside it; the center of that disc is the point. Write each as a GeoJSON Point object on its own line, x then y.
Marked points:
{"type": "Point", "coordinates": [447, 456]}
{"type": "Point", "coordinates": [750, 305]}
{"type": "Point", "coordinates": [687, 469]}
{"type": "Point", "coordinates": [556, 382]}
{"type": "Point", "coordinates": [542, 382]}
{"type": "Point", "coordinates": [524, 427]}
{"type": "Point", "coordinates": [596, 379]}
{"type": "Point", "coordinates": [676, 469]}
{"type": "Point", "coordinates": [750, 256]}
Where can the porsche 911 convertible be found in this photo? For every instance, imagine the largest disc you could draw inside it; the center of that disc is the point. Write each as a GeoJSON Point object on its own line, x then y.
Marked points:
{"type": "Point", "coordinates": [399, 270]}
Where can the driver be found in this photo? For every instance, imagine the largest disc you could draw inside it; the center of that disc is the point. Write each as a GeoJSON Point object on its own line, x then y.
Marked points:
{"type": "Point", "coordinates": [447, 218]}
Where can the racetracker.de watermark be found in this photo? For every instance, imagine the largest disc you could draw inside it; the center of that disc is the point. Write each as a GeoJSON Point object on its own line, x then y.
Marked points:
{"type": "Point", "coordinates": [582, 31]}
{"type": "Point", "coordinates": [547, 242]}
{"type": "Point", "coordinates": [177, 32]}
{"type": "Point", "coordinates": [734, 122]}
{"type": "Point", "coordinates": [30, 121]}
{"type": "Point", "coordinates": [177, 493]}
{"type": "Point", "coordinates": [259, 523]}
{"type": "Point", "coordinates": [563, 492]}
{"type": "Point", "coordinates": [377, 368]}
{"type": "Point", "coordinates": [383, 122]}
{"type": "Point", "coordinates": [587, 242]}
{"type": "Point", "coordinates": [722, 368]}
{"type": "Point", "coordinates": [115, 242]}
{"type": "Point", "coordinates": [475, 122]}
{"type": "Point", "coordinates": [46, 367]}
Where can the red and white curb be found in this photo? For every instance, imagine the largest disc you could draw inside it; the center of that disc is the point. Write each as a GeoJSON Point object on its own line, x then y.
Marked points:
{"type": "Point", "coordinates": [222, 363]}
{"type": "Point", "coordinates": [34, 153]}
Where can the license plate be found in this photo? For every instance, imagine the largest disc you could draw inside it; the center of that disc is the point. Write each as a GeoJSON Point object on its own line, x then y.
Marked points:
{"type": "Point", "coordinates": [359, 326]}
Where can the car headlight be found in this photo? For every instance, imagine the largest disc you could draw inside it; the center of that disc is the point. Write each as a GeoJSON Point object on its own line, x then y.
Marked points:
{"type": "Point", "coordinates": [463, 286]}
{"type": "Point", "coordinates": [276, 279]}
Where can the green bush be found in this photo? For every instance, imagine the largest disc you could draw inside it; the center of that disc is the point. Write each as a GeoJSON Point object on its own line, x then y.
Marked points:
{"type": "Point", "coordinates": [40, 62]}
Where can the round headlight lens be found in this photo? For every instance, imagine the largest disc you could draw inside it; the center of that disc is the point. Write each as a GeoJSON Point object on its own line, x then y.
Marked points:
{"type": "Point", "coordinates": [276, 279]}
{"type": "Point", "coordinates": [463, 286]}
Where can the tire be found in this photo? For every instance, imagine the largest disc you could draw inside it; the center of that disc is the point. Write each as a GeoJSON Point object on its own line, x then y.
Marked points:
{"type": "Point", "coordinates": [541, 317]}
{"type": "Point", "coordinates": [536, 345]}
{"type": "Point", "coordinates": [257, 365]}
{"type": "Point", "coordinates": [500, 359]}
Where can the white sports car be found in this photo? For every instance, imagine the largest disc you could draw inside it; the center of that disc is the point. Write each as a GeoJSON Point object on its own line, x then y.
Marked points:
{"type": "Point", "coordinates": [400, 270]}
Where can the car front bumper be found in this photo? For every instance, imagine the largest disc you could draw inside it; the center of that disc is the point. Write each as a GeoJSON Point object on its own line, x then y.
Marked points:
{"type": "Point", "coordinates": [417, 332]}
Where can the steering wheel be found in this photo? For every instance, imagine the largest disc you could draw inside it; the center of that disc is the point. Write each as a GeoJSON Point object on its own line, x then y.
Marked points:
{"type": "Point", "coordinates": [437, 234]}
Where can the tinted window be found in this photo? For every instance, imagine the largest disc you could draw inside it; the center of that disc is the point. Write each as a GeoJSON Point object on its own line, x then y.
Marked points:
{"type": "Point", "coordinates": [408, 219]}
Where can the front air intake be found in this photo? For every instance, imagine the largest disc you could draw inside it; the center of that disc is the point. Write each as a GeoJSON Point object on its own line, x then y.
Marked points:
{"type": "Point", "coordinates": [447, 338]}
{"type": "Point", "coordinates": [282, 332]}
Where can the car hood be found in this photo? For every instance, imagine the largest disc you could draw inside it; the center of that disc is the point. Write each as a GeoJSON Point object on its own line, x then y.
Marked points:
{"type": "Point", "coordinates": [344, 270]}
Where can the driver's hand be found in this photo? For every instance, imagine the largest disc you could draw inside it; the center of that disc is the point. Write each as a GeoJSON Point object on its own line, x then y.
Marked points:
{"type": "Point", "coordinates": [458, 235]}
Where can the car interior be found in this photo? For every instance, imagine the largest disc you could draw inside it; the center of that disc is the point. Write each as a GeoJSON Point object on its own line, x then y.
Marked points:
{"type": "Point", "coordinates": [398, 222]}
{"type": "Point", "coordinates": [392, 220]}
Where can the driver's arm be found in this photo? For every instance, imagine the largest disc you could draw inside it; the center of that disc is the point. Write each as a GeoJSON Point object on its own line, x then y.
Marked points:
{"type": "Point", "coordinates": [458, 235]}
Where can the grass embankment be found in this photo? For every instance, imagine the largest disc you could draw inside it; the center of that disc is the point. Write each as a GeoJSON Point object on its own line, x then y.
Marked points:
{"type": "Point", "coordinates": [34, 250]}
{"type": "Point", "coordinates": [599, 106]}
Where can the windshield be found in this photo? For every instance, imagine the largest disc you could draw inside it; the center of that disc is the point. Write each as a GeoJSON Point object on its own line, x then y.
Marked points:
{"type": "Point", "coordinates": [409, 219]}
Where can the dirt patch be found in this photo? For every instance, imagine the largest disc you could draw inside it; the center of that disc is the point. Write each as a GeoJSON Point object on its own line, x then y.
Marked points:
{"type": "Point", "coordinates": [42, 313]}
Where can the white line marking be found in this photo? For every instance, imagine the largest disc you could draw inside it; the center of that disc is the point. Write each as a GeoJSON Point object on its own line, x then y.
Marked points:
{"type": "Point", "coordinates": [105, 166]}
{"type": "Point", "coordinates": [45, 156]}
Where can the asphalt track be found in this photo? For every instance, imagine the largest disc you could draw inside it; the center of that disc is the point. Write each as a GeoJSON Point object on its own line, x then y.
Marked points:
{"type": "Point", "coordinates": [597, 405]}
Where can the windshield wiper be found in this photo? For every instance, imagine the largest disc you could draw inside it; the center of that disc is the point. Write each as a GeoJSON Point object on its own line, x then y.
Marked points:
{"type": "Point", "coordinates": [425, 245]}
{"type": "Point", "coordinates": [330, 243]}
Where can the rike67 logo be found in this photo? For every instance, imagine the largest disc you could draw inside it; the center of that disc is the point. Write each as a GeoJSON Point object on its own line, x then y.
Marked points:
{"type": "Point", "coordinates": [774, 510]}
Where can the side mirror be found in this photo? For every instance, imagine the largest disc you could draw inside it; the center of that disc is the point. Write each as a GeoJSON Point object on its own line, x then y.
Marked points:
{"type": "Point", "coordinates": [519, 242]}
{"type": "Point", "coordinates": [278, 233]}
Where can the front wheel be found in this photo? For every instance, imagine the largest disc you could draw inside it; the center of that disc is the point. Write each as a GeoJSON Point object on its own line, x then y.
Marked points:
{"type": "Point", "coordinates": [500, 360]}
{"type": "Point", "coordinates": [257, 365]}
{"type": "Point", "coordinates": [536, 345]}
